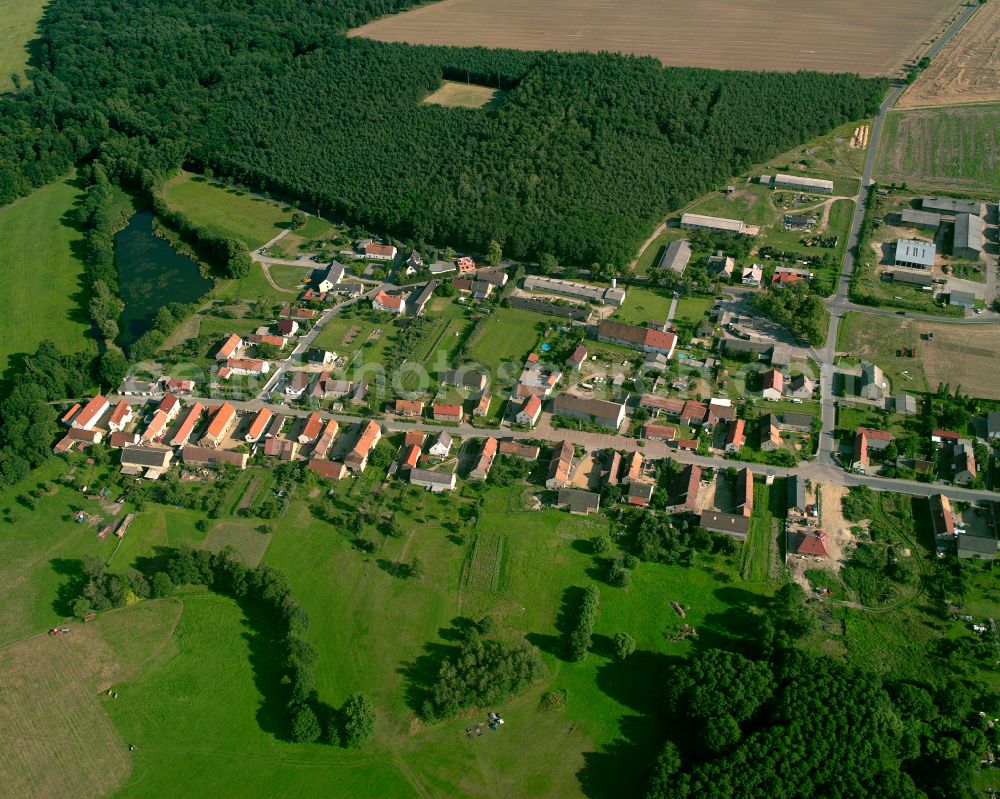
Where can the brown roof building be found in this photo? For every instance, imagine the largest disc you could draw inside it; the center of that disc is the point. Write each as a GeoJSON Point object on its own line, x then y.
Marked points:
{"type": "Point", "coordinates": [357, 458]}
{"type": "Point", "coordinates": [560, 466]}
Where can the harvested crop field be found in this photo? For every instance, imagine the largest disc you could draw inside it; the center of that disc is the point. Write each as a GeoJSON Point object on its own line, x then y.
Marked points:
{"type": "Point", "coordinates": [461, 95]}
{"type": "Point", "coordinates": [959, 354]}
{"type": "Point", "coordinates": [837, 36]}
{"type": "Point", "coordinates": [964, 355]}
{"type": "Point", "coordinates": [953, 149]}
{"type": "Point", "coordinates": [967, 70]}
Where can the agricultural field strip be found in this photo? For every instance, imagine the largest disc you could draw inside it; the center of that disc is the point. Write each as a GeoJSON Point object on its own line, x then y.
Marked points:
{"type": "Point", "coordinates": [838, 36]}
{"type": "Point", "coordinates": [967, 70]}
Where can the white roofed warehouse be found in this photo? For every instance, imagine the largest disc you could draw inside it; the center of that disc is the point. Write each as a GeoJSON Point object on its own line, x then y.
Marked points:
{"type": "Point", "coordinates": [800, 183]}
{"type": "Point", "coordinates": [701, 222]}
{"type": "Point", "coordinates": [913, 253]}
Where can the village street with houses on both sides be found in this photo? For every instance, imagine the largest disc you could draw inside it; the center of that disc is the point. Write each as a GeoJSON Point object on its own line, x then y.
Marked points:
{"type": "Point", "coordinates": [827, 465]}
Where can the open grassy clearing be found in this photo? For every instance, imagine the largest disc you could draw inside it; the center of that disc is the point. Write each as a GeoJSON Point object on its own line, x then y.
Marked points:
{"type": "Point", "coordinates": [644, 305]}
{"type": "Point", "coordinates": [951, 149]}
{"type": "Point", "coordinates": [755, 554]}
{"type": "Point", "coordinates": [38, 550]}
{"type": "Point", "coordinates": [226, 211]}
{"type": "Point", "coordinates": [693, 309]}
{"type": "Point", "coordinates": [60, 741]}
{"type": "Point", "coordinates": [966, 70]}
{"type": "Point", "coordinates": [510, 335]}
{"type": "Point", "coordinates": [462, 95]}
{"type": "Point", "coordinates": [369, 342]}
{"type": "Point", "coordinates": [839, 36]}
{"type": "Point", "coordinates": [287, 276]}
{"type": "Point", "coordinates": [18, 27]}
{"type": "Point", "coordinates": [877, 338]}
{"type": "Point", "coordinates": [828, 156]}
{"type": "Point", "coordinates": [515, 567]}
{"type": "Point", "coordinates": [41, 288]}
{"type": "Point", "coordinates": [193, 737]}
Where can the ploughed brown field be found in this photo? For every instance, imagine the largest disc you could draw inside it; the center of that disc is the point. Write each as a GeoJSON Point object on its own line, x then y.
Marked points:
{"type": "Point", "coordinates": [967, 70]}
{"type": "Point", "coordinates": [871, 38]}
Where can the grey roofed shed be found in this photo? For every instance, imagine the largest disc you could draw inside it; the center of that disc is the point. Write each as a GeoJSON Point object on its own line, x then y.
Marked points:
{"type": "Point", "coordinates": [969, 231]}
{"type": "Point", "coordinates": [977, 547]}
{"type": "Point", "coordinates": [155, 457]}
{"type": "Point", "coordinates": [728, 523]}
{"type": "Point", "coordinates": [965, 299]}
{"type": "Point", "coordinates": [927, 219]}
{"type": "Point", "coordinates": [949, 205]}
{"type": "Point", "coordinates": [796, 492]}
{"type": "Point", "coordinates": [676, 256]}
{"type": "Point", "coordinates": [578, 500]}
{"type": "Point", "coordinates": [781, 355]}
{"type": "Point", "coordinates": [912, 278]}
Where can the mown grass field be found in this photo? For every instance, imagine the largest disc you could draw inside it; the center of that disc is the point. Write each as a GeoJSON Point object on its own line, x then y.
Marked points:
{"type": "Point", "coordinates": [951, 149]}
{"type": "Point", "coordinates": [510, 335]}
{"type": "Point", "coordinates": [878, 339]}
{"type": "Point", "coordinates": [61, 742]}
{"type": "Point", "coordinates": [693, 309]}
{"type": "Point", "coordinates": [644, 305]}
{"type": "Point", "coordinates": [755, 555]}
{"type": "Point", "coordinates": [226, 211]}
{"type": "Point", "coordinates": [18, 27]}
{"type": "Point", "coordinates": [201, 707]}
{"type": "Point", "coordinates": [41, 273]}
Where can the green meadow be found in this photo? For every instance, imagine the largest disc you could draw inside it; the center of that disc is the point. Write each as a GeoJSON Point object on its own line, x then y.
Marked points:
{"type": "Point", "coordinates": [18, 27]}
{"type": "Point", "coordinates": [41, 288]}
{"type": "Point", "coordinates": [226, 211]}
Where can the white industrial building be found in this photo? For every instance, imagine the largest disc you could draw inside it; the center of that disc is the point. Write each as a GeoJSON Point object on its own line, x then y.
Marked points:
{"type": "Point", "coordinates": [701, 222]}
{"type": "Point", "coordinates": [918, 254]}
{"type": "Point", "coordinates": [798, 183]}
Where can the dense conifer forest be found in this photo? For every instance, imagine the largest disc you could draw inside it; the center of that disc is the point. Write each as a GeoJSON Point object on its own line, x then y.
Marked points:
{"type": "Point", "coordinates": [579, 157]}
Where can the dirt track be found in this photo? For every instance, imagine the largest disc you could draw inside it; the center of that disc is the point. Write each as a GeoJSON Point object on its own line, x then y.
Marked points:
{"type": "Point", "coordinates": [836, 36]}
{"type": "Point", "coordinates": [967, 70]}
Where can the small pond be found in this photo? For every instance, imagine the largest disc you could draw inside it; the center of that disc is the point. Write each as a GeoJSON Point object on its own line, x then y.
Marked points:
{"type": "Point", "coordinates": [152, 274]}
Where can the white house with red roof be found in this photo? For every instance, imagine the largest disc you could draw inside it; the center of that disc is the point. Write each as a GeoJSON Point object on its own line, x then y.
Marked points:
{"type": "Point", "coordinates": [530, 411]}
{"type": "Point", "coordinates": [120, 416]}
{"type": "Point", "coordinates": [773, 385]}
{"type": "Point", "coordinates": [171, 406]}
{"type": "Point", "coordinates": [389, 303]}
{"type": "Point", "coordinates": [91, 413]}
{"type": "Point", "coordinates": [229, 348]}
{"type": "Point", "coordinates": [376, 251]}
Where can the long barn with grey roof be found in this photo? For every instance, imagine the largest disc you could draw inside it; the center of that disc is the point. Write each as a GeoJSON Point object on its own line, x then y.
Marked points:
{"type": "Point", "coordinates": [923, 219]}
{"type": "Point", "coordinates": [949, 205]}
